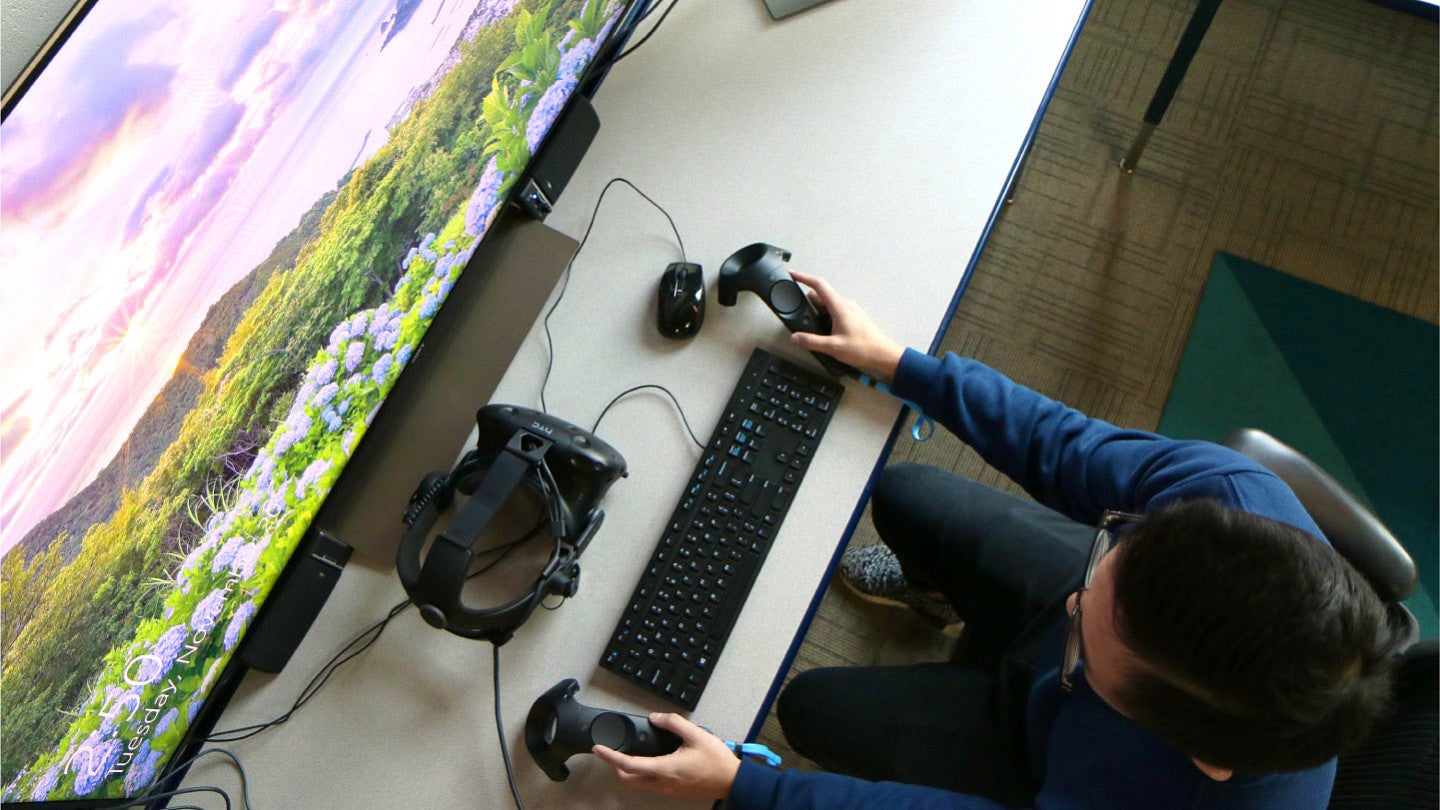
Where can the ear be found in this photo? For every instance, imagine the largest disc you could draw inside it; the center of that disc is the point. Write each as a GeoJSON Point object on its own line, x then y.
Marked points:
{"type": "Point", "coordinates": [1218, 774]}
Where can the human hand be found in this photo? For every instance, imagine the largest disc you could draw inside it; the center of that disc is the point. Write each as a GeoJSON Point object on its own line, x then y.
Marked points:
{"type": "Point", "coordinates": [853, 338]}
{"type": "Point", "coordinates": [702, 768]}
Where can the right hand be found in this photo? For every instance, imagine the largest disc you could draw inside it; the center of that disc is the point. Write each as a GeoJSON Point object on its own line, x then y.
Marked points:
{"type": "Point", "coordinates": [853, 338]}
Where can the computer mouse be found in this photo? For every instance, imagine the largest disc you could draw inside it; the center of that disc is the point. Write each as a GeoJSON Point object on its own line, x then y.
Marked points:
{"type": "Point", "coordinates": [681, 306]}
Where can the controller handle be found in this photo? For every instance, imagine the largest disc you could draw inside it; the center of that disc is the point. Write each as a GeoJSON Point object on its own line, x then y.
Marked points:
{"type": "Point", "coordinates": [559, 726]}
{"type": "Point", "coordinates": [760, 268]}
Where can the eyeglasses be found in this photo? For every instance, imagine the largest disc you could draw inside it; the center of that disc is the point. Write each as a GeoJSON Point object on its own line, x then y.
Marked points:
{"type": "Point", "coordinates": [1104, 541]}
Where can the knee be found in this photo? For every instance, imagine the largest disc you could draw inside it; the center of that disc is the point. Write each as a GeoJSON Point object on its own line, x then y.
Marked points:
{"type": "Point", "coordinates": [895, 490]}
{"type": "Point", "coordinates": [805, 707]}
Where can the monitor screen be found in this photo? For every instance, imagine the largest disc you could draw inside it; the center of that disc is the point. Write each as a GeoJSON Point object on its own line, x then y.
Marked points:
{"type": "Point", "coordinates": [224, 230]}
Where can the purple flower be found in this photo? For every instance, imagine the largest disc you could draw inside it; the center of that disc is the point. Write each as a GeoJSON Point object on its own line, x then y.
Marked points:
{"type": "Point", "coordinates": [142, 768]}
{"type": "Point", "coordinates": [226, 554]}
{"type": "Point", "coordinates": [238, 622]}
{"type": "Point", "coordinates": [194, 707]}
{"type": "Point", "coordinates": [313, 474]}
{"type": "Point", "coordinates": [427, 241]}
{"type": "Point", "coordinates": [275, 505]}
{"type": "Point", "coordinates": [45, 784]}
{"type": "Point", "coordinates": [382, 367]}
{"type": "Point", "coordinates": [490, 12]}
{"type": "Point", "coordinates": [339, 335]}
{"type": "Point", "coordinates": [296, 427]}
{"type": "Point", "coordinates": [343, 407]}
{"type": "Point", "coordinates": [547, 110]}
{"type": "Point", "coordinates": [208, 611]}
{"type": "Point", "coordinates": [573, 62]}
{"type": "Point", "coordinates": [483, 200]}
{"type": "Point", "coordinates": [429, 305]}
{"type": "Point", "coordinates": [325, 372]}
{"type": "Point", "coordinates": [164, 650]}
{"type": "Point", "coordinates": [331, 419]}
{"type": "Point", "coordinates": [243, 566]}
{"type": "Point", "coordinates": [101, 757]}
{"type": "Point", "coordinates": [166, 721]}
{"type": "Point", "coordinates": [324, 395]}
{"type": "Point", "coordinates": [403, 356]}
{"type": "Point", "coordinates": [354, 353]}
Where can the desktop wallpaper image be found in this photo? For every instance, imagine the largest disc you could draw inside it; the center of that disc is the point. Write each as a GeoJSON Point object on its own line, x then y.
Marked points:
{"type": "Point", "coordinates": [225, 231]}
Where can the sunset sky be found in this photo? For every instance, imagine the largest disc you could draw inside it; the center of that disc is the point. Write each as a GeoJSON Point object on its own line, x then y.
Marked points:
{"type": "Point", "coordinates": [156, 161]}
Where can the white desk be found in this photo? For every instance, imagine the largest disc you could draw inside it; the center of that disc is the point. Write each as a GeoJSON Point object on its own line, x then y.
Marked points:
{"type": "Point", "coordinates": [873, 138]}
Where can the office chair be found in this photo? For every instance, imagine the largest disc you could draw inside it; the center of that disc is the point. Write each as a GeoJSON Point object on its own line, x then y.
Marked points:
{"type": "Point", "coordinates": [1396, 767]}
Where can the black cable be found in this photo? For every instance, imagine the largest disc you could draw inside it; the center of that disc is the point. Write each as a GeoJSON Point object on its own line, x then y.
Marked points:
{"type": "Point", "coordinates": [345, 655]}
{"type": "Point", "coordinates": [668, 393]}
{"type": "Point", "coordinates": [649, 33]}
{"type": "Point", "coordinates": [565, 276]}
{"type": "Point", "coordinates": [147, 796]}
{"type": "Point", "coordinates": [500, 730]}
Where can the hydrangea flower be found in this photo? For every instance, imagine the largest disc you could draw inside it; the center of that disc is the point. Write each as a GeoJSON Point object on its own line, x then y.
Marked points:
{"type": "Point", "coordinates": [296, 427]}
{"type": "Point", "coordinates": [483, 200]}
{"type": "Point", "coordinates": [165, 650]}
{"type": "Point", "coordinates": [313, 473]}
{"type": "Point", "coordinates": [382, 368]}
{"type": "Point", "coordinates": [243, 566]}
{"type": "Point", "coordinates": [547, 110]}
{"type": "Point", "coordinates": [46, 783]}
{"type": "Point", "coordinates": [324, 395]}
{"type": "Point", "coordinates": [573, 61]}
{"type": "Point", "coordinates": [403, 356]}
{"type": "Point", "coordinates": [103, 754]}
{"type": "Point", "coordinates": [325, 372]}
{"type": "Point", "coordinates": [238, 623]}
{"type": "Point", "coordinates": [142, 768]}
{"type": "Point", "coordinates": [332, 419]}
{"type": "Point", "coordinates": [354, 353]}
{"type": "Point", "coordinates": [208, 611]}
{"type": "Point", "coordinates": [226, 554]}
{"type": "Point", "coordinates": [490, 12]}
{"type": "Point", "coordinates": [166, 720]}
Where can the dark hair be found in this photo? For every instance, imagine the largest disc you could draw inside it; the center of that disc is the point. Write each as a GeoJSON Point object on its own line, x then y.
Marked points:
{"type": "Point", "coordinates": [1266, 650]}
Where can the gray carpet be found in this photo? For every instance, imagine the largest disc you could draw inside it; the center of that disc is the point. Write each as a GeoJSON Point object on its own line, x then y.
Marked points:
{"type": "Point", "coordinates": [1303, 138]}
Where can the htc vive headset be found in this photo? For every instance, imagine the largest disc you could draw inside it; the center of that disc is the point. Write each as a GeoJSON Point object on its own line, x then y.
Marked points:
{"type": "Point", "coordinates": [569, 467]}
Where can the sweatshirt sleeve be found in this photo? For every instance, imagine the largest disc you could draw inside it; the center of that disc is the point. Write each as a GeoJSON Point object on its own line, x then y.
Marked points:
{"type": "Point", "coordinates": [758, 787]}
{"type": "Point", "coordinates": [1075, 464]}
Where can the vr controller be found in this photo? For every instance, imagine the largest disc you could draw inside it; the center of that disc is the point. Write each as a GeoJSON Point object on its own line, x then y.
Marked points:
{"type": "Point", "coordinates": [559, 727]}
{"type": "Point", "coordinates": [760, 268]}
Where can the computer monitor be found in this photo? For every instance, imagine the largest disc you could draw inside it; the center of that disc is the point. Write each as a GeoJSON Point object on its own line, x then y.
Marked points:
{"type": "Point", "coordinates": [226, 229]}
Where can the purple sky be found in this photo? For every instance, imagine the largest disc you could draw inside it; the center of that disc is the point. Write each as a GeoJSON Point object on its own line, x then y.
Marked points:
{"type": "Point", "coordinates": [157, 160]}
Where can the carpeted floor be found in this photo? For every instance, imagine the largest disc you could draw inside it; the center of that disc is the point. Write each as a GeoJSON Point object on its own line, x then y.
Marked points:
{"type": "Point", "coordinates": [1304, 138]}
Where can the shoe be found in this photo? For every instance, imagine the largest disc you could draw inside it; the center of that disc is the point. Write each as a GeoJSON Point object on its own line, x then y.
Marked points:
{"type": "Point", "coordinates": [873, 573]}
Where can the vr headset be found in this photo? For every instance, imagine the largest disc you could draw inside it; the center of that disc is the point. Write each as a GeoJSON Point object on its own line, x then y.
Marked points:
{"type": "Point", "coordinates": [568, 467]}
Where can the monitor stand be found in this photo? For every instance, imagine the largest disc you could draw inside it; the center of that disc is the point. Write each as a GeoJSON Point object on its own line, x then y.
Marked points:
{"type": "Point", "coordinates": [427, 419]}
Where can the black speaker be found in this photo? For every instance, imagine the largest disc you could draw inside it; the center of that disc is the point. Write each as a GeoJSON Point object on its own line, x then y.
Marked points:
{"type": "Point", "coordinates": [559, 156]}
{"type": "Point", "coordinates": [295, 603]}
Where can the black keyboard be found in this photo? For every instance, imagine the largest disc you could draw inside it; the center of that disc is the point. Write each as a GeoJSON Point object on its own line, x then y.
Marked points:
{"type": "Point", "coordinates": [680, 615]}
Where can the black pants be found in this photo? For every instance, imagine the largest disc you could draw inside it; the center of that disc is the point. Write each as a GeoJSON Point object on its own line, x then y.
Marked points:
{"type": "Point", "coordinates": [1007, 565]}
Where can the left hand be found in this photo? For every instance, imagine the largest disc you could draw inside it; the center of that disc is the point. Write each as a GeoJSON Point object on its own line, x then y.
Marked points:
{"type": "Point", "coordinates": [702, 768]}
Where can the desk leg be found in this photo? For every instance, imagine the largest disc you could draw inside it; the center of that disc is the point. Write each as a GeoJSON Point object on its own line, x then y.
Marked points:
{"type": "Point", "coordinates": [1170, 82]}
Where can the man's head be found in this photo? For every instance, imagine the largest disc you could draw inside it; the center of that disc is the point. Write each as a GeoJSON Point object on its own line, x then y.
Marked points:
{"type": "Point", "coordinates": [1240, 641]}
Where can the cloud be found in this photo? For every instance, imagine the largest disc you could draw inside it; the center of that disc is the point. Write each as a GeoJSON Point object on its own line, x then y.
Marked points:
{"type": "Point", "coordinates": [137, 214]}
{"type": "Point", "coordinates": [103, 89]}
{"type": "Point", "coordinates": [258, 37]}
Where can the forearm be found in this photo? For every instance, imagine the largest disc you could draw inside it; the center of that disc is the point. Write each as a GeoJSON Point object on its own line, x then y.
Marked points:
{"type": "Point", "coordinates": [758, 787]}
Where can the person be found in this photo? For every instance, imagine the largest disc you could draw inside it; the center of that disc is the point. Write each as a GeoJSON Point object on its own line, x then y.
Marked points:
{"type": "Point", "coordinates": [1162, 626]}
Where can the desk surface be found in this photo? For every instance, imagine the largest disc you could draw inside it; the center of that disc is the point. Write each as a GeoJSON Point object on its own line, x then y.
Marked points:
{"type": "Point", "coordinates": [873, 138]}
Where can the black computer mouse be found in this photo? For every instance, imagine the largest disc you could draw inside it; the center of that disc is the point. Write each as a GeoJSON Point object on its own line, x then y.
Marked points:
{"type": "Point", "coordinates": [681, 306]}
